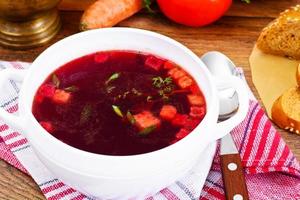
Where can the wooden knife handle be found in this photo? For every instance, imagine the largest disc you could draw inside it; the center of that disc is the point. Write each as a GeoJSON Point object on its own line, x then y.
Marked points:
{"type": "Point", "coordinates": [233, 177]}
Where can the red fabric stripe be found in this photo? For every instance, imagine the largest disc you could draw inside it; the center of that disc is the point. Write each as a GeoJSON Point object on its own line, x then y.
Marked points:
{"type": "Point", "coordinates": [169, 194]}
{"type": "Point", "coordinates": [52, 187]}
{"type": "Point", "coordinates": [285, 153]}
{"type": "Point", "coordinates": [10, 136]}
{"type": "Point", "coordinates": [262, 144]}
{"type": "Point", "coordinates": [79, 197]}
{"type": "Point", "coordinates": [9, 157]}
{"type": "Point", "coordinates": [62, 194]}
{"type": "Point", "coordinates": [214, 192]}
{"type": "Point", "coordinates": [272, 150]}
{"type": "Point", "coordinates": [12, 109]}
{"type": "Point", "coordinates": [249, 143]}
{"type": "Point", "coordinates": [3, 127]}
{"type": "Point", "coordinates": [150, 198]}
{"type": "Point", "coordinates": [17, 143]}
{"type": "Point", "coordinates": [203, 198]}
{"type": "Point", "coordinates": [252, 170]}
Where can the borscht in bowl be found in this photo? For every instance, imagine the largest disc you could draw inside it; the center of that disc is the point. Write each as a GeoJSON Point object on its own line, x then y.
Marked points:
{"type": "Point", "coordinates": [121, 113]}
{"type": "Point", "coordinates": [119, 102]}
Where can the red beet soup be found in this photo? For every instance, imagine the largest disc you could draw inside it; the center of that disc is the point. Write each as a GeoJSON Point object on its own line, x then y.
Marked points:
{"type": "Point", "coordinates": [119, 103]}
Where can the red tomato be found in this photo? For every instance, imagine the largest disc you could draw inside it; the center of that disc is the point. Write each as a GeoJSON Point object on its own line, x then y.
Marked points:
{"type": "Point", "coordinates": [194, 12]}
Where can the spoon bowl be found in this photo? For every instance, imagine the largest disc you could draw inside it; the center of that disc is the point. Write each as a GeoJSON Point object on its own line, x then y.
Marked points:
{"type": "Point", "coordinates": [222, 67]}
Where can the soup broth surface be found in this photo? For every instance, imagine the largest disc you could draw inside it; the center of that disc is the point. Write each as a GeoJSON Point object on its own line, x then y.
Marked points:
{"type": "Point", "coordinates": [119, 103]}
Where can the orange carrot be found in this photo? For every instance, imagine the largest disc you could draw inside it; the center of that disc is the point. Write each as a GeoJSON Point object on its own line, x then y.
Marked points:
{"type": "Point", "coordinates": [107, 13]}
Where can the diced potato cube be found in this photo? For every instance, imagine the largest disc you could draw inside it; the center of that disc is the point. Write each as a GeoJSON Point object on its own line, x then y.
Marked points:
{"type": "Point", "coordinates": [145, 120]}
{"type": "Point", "coordinates": [185, 82]}
{"type": "Point", "coordinates": [47, 126]}
{"type": "Point", "coordinates": [180, 120]}
{"type": "Point", "coordinates": [197, 112]}
{"type": "Point", "coordinates": [169, 65]}
{"type": "Point", "coordinates": [61, 96]}
{"type": "Point", "coordinates": [182, 133]}
{"type": "Point", "coordinates": [176, 73]}
{"type": "Point", "coordinates": [154, 63]}
{"type": "Point", "coordinates": [168, 112]}
{"type": "Point", "coordinates": [192, 124]}
{"type": "Point", "coordinates": [47, 90]}
{"type": "Point", "coordinates": [101, 57]}
{"type": "Point", "coordinates": [195, 100]}
{"type": "Point", "coordinates": [195, 89]}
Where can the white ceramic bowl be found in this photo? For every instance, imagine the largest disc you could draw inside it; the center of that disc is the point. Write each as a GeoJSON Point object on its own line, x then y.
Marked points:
{"type": "Point", "coordinates": [120, 177]}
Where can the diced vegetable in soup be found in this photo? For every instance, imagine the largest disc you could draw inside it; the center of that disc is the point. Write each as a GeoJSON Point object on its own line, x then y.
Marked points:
{"type": "Point", "coordinates": [119, 103]}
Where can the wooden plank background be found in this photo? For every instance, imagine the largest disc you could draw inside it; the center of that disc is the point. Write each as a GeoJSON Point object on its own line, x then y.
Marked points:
{"type": "Point", "coordinates": [234, 34]}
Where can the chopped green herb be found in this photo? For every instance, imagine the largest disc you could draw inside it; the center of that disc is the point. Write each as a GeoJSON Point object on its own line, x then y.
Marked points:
{"type": "Point", "coordinates": [168, 89]}
{"type": "Point", "coordinates": [168, 81]}
{"type": "Point", "coordinates": [157, 82]}
{"type": "Point", "coordinates": [86, 113]}
{"type": "Point", "coordinates": [246, 1]}
{"type": "Point", "coordinates": [136, 92]}
{"type": "Point", "coordinates": [117, 110]}
{"type": "Point", "coordinates": [55, 80]}
{"type": "Point", "coordinates": [165, 97]}
{"type": "Point", "coordinates": [114, 76]}
{"type": "Point", "coordinates": [71, 89]}
{"type": "Point", "coordinates": [149, 98]}
{"type": "Point", "coordinates": [147, 130]}
{"type": "Point", "coordinates": [130, 117]}
{"type": "Point", "coordinates": [110, 89]}
{"type": "Point", "coordinates": [161, 92]}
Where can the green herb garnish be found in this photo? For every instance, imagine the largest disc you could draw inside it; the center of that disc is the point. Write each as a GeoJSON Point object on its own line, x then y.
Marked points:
{"type": "Point", "coordinates": [114, 76]}
{"type": "Point", "coordinates": [130, 117]}
{"type": "Point", "coordinates": [110, 89]}
{"type": "Point", "coordinates": [117, 110]}
{"type": "Point", "coordinates": [136, 92]}
{"type": "Point", "coordinates": [147, 5]}
{"type": "Point", "coordinates": [71, 89]}
{"type": "Point", "coordinates": [165, 86]}
{"type": "Point", "coordinates": [159, 82]}
{"type": "Point", "coordinates": [246, 1]}
{"type": "Point", "coordinates": [86, 113]}
{"type": "Point", "coordinates": [168, 81]}
{"type": "Point", "coordinates": [149, 98]}
{"type": "Point", "coordinates": [55, 80]}
{"type": "Point", "coordinates": [147, 130]}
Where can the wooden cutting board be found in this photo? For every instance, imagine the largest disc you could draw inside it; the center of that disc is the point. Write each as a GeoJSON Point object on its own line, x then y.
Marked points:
{"type": "Point", "coordinates": [271, 75]}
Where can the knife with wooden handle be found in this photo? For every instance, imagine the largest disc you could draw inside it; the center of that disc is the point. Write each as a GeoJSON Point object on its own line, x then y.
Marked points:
{"type": "Point", "coordinates": [232, 170]}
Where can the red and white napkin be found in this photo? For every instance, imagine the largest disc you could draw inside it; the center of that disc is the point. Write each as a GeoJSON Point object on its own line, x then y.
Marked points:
{"type": "Point", "coordinates": [272, 171]}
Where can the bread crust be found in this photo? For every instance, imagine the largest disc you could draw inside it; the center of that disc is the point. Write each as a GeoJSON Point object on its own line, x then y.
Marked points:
{"type": "Point", "coordinates": [282, 36]}
{"type": "Point", "coordinates": [282, 119]}
{"type": "Point", "coordinates": [298, 75]}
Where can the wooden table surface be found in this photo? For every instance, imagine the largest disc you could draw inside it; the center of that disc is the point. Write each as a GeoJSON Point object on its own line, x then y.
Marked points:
{"type": "Point", "coordinates": [234, 35]}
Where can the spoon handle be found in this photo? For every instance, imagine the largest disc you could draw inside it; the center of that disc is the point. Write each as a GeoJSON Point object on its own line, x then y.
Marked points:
{"type": "Point", "coordinates": [233, 177]}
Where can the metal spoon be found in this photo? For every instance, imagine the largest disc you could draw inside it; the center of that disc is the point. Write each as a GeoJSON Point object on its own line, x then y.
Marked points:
{"type": "Point", "coordinates": [233, 177]}
{"type": "Point", "coordinates": [221, 67]}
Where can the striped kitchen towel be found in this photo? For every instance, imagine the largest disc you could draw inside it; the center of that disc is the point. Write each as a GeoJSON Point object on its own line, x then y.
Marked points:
{"type": "Point", "coordinates": [272, 171]}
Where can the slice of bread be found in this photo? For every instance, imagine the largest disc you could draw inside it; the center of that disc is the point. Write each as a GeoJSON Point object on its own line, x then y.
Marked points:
{"type": "Point", "coordinates": [286, 110]}
{"type": "Point", "coordinates": [282, 36]}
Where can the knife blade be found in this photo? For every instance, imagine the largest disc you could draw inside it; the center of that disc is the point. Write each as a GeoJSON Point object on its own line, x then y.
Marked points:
{"type": "Point", "coordinates": [232, 170]}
